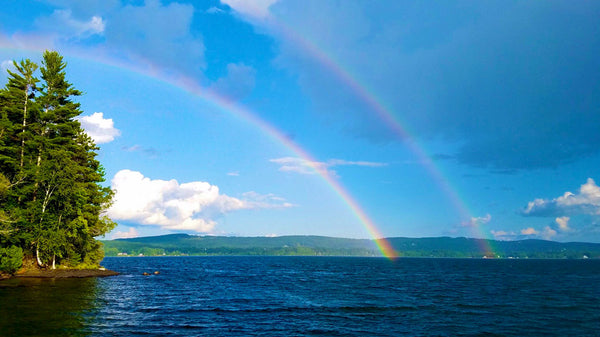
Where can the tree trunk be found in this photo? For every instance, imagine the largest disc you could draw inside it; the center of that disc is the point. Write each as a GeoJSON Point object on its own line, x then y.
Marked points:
{"type": "Point", "coordinates": [38, 163]}
{"type": "Point", "coordinates": [37, 255]}
{"type": "Point", "coordinates": [53, 261]}
{"type": "Point", "coordinates": [24, 125]}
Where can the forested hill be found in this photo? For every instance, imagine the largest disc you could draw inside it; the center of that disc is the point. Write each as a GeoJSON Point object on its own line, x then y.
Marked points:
{"type": "Point", "coordinates": [183, 244]}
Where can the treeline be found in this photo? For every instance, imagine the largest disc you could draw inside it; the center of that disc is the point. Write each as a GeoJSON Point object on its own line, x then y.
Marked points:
{"type": "Point", "coordinates": [478, 248]}
{"type": "Point", "coordinates": [51, 200]}
{"type": "Point", "coordinates": [234, 251]}
{"type": "Point", "coordinates": [182, 244]}
{"type": "Point", "coordinates": [440, 247]}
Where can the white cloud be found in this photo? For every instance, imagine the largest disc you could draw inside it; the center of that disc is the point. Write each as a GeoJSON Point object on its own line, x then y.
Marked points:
{"type": "Point", "coordinates": [529, 231]}
{"type": "Point", "coordinates": [100, 129]}
{"type": "Point", "coordinates": [7, 65]}
{"type": "Point", "coordinates": [477, 221]}
{"type": "Point", "coordinates": [188, 206]}
{"type": "Point", "coordinates": [131, 233]}
{"type": "Point", "coordinates": [303, 166]}
{"type": "Point", "coordinates": [563, 223]}
{"type": "Point", "coordinates": [548, 233]}
{"type": "Point", "coordinates": [503, 235]}
{"type": "Point", "coordinates": [587, 201]}
{"type": "Point", "coordinates": [233, 174]}
{"type": "Point", "coordinates": [255, 8]}
{"type": "Point", "coordinates": [62, 22]}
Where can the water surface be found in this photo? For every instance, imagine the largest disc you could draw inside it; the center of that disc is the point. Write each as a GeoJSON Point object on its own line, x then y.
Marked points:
{"type": "Point", "coordinates": [306, 296]}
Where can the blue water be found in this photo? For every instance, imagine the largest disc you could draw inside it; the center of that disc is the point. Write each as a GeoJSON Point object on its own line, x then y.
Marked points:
{"type": "Point", "coordinates": [311, 296]}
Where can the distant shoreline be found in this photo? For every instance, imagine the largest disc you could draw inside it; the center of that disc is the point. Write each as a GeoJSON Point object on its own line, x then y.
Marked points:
{"type": "Point", "coordinates": [298, 245]}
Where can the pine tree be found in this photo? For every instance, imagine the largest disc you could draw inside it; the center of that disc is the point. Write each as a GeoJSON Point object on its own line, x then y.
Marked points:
{"type": "Point", "coordinates": [59, 204]}
{"type": "Point", "coordinates": [17, 111]}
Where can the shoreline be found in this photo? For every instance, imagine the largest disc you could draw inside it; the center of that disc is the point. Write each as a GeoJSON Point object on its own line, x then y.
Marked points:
{"type": "Point", "coordinates": [60, 273]}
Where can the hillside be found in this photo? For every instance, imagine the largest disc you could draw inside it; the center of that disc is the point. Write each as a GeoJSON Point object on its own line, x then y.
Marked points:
{"type": "Point", "coordinates": [183, 244]}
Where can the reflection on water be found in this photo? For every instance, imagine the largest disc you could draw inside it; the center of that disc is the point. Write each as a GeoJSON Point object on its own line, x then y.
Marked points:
{"type": "Point", "coordinates": [47, 307]}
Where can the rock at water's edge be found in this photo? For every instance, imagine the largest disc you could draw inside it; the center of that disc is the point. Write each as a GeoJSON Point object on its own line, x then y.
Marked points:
{"type": "Point", "coordinates": [65, 273]}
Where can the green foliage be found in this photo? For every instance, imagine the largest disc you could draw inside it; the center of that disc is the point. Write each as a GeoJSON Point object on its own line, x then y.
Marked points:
{"type": "Point", "coordinates": [183, 244]}
{"type": "Point", "coordinates": [51, 197]}
{"type": "Point", "coordinates": [11, 259]}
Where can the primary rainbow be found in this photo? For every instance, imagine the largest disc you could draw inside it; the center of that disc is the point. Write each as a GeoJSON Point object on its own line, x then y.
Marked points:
{"type": "Point", "coordinates": [383, 113]}
{"type": "Point", "coordinates": [191, 86]}
{"type": "Point", "coordinates": [243, 112]}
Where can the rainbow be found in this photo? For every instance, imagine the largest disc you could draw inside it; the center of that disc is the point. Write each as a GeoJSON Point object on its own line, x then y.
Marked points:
{"type": "Point", "coordinates": [384, 114]}
{"type": "Point", "coordinates": [192, 87]}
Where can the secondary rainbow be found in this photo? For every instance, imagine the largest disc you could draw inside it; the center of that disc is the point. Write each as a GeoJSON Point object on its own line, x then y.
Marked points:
{"type": "Point", "coordinates": [384, 113]}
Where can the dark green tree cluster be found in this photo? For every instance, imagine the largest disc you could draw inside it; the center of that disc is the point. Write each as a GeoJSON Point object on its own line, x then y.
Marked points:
{"type": "Point", "coordinates": [51, 200]}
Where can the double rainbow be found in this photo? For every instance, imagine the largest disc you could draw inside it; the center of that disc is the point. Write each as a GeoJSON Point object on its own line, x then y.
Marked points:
{"type": "Point", "coordinates": [394, 123]}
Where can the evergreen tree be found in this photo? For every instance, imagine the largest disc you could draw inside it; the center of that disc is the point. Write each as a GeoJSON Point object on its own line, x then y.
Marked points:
{"type": "Point", "coordinates": [57, 209]}
{"type": "Point", "coordinates": [17, 111]}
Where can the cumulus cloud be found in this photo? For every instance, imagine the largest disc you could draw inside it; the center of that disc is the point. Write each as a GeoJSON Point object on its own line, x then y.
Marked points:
{"type": "Point", "coordinates": [131, 233]}
{"type": "Point", "coordinates": [477, 221]}
{"type": "Point", "coordinates": [563, 223]}
{"type": "Point", "coordinates": [529, 231]}
{"type": "Point", "coordinates": [62, 22]}
{"type": "Point", "coordinates": [256, 9]}
{"type": "Point", "coordinates": [237, 83]}
{"type": "Point", "coordinates": [548, 233]}
{"type": "Point", "coordinates": [100, 129]}
{"type": "Point", "coordinates": [586, 201]}
{"type": "Point", "coordinates": [303, 166]}
{"type": "Point", "coordinates": [187, 206]}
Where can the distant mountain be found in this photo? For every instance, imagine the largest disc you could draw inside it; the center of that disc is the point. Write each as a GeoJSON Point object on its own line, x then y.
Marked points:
{"type": "Point", "coordinates": [183, 244]}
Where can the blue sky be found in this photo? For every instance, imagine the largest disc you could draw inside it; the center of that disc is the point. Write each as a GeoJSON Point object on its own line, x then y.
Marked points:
{"type": "Point", "coordinates": [230, 117]}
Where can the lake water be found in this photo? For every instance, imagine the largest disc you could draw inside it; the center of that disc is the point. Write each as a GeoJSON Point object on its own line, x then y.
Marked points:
{"type": "Point", "coordinates": [311, 296]}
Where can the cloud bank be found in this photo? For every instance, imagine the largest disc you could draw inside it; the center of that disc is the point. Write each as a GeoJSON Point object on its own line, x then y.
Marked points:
{"type": "Point", "coordinates": [586, 201]}
{"type": "Point", "coordinates": [189, 206]}
{"type": "Point", "coordinates": [510, 84]}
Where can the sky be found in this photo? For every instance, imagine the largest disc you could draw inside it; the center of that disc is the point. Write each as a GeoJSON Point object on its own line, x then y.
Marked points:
{"type": "Point", "coordinates": [355, 119]}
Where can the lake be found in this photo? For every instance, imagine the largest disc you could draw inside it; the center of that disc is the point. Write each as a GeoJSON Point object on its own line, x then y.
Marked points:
{"type": "Point", "coordinates": [311, 296]}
